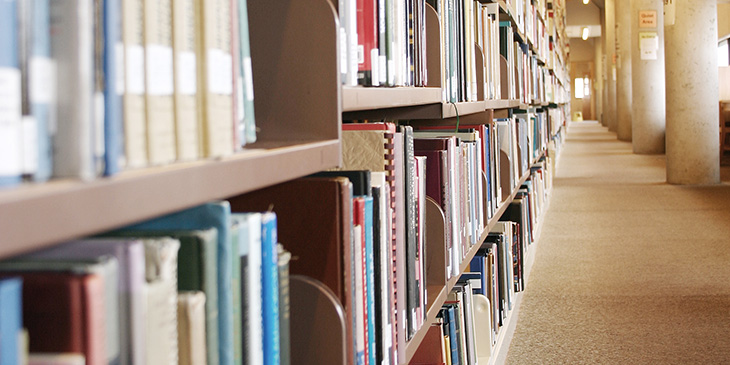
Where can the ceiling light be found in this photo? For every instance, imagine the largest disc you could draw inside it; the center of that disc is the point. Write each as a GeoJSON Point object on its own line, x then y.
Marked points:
{"type": "Point", "coordinates": [586, 2]}
{"type": "Point", "coordinates": [585, 33]}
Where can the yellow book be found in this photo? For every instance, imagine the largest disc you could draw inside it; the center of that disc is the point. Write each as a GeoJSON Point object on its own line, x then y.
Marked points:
{"type": "Point", "coordinates": [135, 125]}
{"type": "Point", "coordinates": [159, 84]}
{"type": "Point", "coordinates": [185, 79]}
{"type": "Point", "coordinates": [215, 76]}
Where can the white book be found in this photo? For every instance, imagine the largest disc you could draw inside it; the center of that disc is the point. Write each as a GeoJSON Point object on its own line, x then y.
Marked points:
{"type": "Point", "coordinates": [72, 46]}
{"type": "Point", "coordinates": [191, 328]}
{"type": "Point", "coordinates": [253, 345]}
{"type": "Point", "coordinates": [161, 276]}
{"type": "Point", "coordinates": [133, 100]}
{"type": "Point", "coordinates": [185, 80]}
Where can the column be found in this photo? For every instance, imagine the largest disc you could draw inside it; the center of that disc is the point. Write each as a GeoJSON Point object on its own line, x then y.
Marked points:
{"type": "Point", "coordinates": [647, 68]}
{"type": "Point", "coordinates": [598, 82]}
{"type": "Point", "coordinates": [693, 155]}
{"type": "Point", "coordinates": [609, 109]}
{"type": "Point", "coordinates": [623, 69]}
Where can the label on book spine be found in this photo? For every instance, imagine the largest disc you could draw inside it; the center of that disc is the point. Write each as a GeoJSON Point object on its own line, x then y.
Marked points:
{"type": "Point", "coordinates": [10, 122]}
{"type": "Point", "coordinates": [42, 80]}
{"type": "Point", "coordinates": [248, 75]}
{"type": "Point", "coordinates": [220, 72]}
{"type": "Point", "coordinates": [135, 69]}
{"type": "Point", "coordinates": [159, 69]}
{"type": "Point", "coordinates": [186, 71]}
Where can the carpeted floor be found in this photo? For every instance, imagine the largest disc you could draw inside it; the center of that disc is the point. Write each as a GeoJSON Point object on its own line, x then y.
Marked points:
{"type": "Point", "coordinates": [629, 269]}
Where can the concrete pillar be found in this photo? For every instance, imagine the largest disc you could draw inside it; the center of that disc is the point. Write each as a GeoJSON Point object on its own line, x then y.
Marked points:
{"type": "Point", "coordinates": [647, 68]}
{"type": "Point", "coordinates": [598, 82]}
{"type": "Point", "coordinates": [693, 155]}
{"type": "Point", "coordinates": [623, 69]}
{"type": "Point", "coordinates": [609, 109]}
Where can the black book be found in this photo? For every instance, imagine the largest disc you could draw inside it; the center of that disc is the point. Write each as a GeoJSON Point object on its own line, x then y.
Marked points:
{"type": "Point", "coordinates": [360, 180]}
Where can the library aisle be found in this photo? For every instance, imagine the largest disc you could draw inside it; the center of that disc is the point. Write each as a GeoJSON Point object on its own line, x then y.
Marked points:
{"type": "Point", "coordinates": [629, 269]}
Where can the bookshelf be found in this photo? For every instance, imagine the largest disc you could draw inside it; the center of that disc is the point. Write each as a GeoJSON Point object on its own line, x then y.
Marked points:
{"type": "Point", "coordinates": [300, 104]}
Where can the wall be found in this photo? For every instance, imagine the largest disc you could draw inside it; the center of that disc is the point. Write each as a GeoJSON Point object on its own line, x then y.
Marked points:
{"type": "Point", "coordinates": [723, 20]}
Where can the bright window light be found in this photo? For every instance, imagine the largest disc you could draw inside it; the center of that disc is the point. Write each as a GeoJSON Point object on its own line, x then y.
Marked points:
{"type": "Point", "coordinates": [579, 88]}
{"type": "Point", "coordinates": [723, 54]}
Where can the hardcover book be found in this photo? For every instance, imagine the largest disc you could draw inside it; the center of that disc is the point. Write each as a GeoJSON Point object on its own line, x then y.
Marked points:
{"type": "Point", "coordinates": [185, 60]}
{"type": "Point", "coordinates": [191, 328]}
{"type": "Point", "coordinates": [11, 319]}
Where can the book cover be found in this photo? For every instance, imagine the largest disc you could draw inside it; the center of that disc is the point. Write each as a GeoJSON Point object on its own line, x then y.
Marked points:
{"type": "Point", "coordinates": [411, 226]}
{"type": "Point", "coordinates": [129, 254]}
{"type": "Point", "coordinates": [185, 60]}
{"type": "Point", "coordinates": [133, 100]}
{"type": "Point", "coordinates": [367, 43]}
{"type": "Point", "coordinates": [210, 215]}
{"type": "Point", "coordinates": [383, 264]}
{"type": "Point", "coordinates": [11, 319]}
{"type": "Point", "coordinates": [370, 278]}
{"type": "Point", "coordinates": [330, 224]}
{"type": "Point", "coordinates": [215, 66]}
{"type": "Point", "coordinates": [361, 321]}
{"type": "Point", "coordinates": [191, 327]}
{"type": "Point", "coordinates": [11, 166]}
{"type": "Point", "coordinates": [270, 288]}
{"type": "Point", "coordinates": [237, 240]}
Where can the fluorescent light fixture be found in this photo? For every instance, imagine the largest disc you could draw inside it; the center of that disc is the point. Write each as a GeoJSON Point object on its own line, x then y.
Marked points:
{"type": "Point", "coordinates": [586, 2]}
{"type": "Point", "coordinates": [585, 33]}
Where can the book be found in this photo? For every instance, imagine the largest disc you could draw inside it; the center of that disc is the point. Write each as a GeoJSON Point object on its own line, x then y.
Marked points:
{"type": "Point", "coordinates": [430, 351]}
{"type": "Point", "coordinates": [72, 46]}
{"type": "Point", "coordinates": [64, 311]}
{"type": "Point", "coordinates": [250, 256]}
{"type": "Point", "coordinates": [56, 359]}
{"type": "Point", "coordinates": [197, 266]}
{"type": "Point", "coordinates": [246, 83]}
{"type": "Point", "coordinates": [130, 257]}
{"type": "Point", "coordinates": [133, 100]}
{"type": "Point", "coordinates": [185, 60]}
{"type": "Point", "coordinates": [215, 67]}
{"type": "Point", "coordinates": [113, 86]}
{"type": "Point", "coordinates": [11, 166]}
{"type": "Point", "coordinates": [191, 328]}
{"type": "Point", "coordinates": [270, 288]}
{"type": "Point", "coordinates": [38, 93]}
{"type": "Point", "coordinates": [77, 261]}
{"type": "Point", "coordinates": [159, 82]}
{"type": "Point", "coordinates": [210, 215]}
{"type": "Point", "coordinates": [299, 225]}
{"type": "Point", "coordinates": [11, 319]}
{"type": "Point", "coordinates": [382, 251]}
{"type": "Point", "coordinates": [237, 239]}
{"type": "Point", "coordinates": [361, 317]}
{"type": "Point", "coordinates": [284, 305]}
{"type": "Point", "coordinates": [411, 225]}
{"type": "Point", "coordinates": [161, 275]}
{"type": "Point", "coordinates": [367, 43]}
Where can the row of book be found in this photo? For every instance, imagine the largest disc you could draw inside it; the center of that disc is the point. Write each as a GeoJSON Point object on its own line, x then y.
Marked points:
{"type": "Point", "coordinates": [383, 42]}
{"type": "Point", "coordinates": [90, 88]}
{"type": "Point", "coordinates": [477, 309]}
{"type": "Point", "coordinates": [200, 286]}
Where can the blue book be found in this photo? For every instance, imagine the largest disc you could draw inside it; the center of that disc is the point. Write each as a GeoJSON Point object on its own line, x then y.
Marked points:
{"type": "Point", "coordinates": [112, 97]}
{"type": "Point", "coordinates": [11, 318]}
{"type": "Point", "coordinates": [478, 265]}
{"type": "Point", "coordinates": [10, 96]}
{"type": "Point", "coordinates": [453, 334]}
{"type": "Point", "coordinates": [38, 100]}
{"type": "Point", "coordinates": [370, 270]}
{"type": "Point", "coordinates": [270, 288]}
{"type": "Point", "coordinates": [210, 215]}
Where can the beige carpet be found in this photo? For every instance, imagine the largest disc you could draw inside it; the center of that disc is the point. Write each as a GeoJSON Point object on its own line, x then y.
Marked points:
{"type": "Point", "coordinates": [629, 269]}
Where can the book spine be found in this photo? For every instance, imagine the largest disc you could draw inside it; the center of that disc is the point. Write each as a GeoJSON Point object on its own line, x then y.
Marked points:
{"type": "Point", "coordinates": [185, 86]}
{"type": "Point", "coordinates": [370, 277]}
{"type": "Point", "coordinates": [11, 318]}
{"type": "Point", "coordinates": [236, 240]}
{"type": "Point", "coordinates": [270, 289]}
{"type": "Point", "coordinates": [284, 305]}
{"type": "Point", "coordinates": [247, 93]}
{"type": "Point", "coordinates": [10, 97]}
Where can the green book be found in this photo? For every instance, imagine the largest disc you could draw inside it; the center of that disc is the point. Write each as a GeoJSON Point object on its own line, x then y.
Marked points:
{"type": "Point", "coordinates": [236, 236]}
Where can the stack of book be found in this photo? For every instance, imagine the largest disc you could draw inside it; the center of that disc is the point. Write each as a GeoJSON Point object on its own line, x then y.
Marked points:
{"type": "Point", "coordinates": [91, 88]}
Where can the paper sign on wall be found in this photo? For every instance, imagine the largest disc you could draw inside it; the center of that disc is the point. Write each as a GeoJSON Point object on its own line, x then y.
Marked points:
{"type": "Point", "coordinates": [648, 45]}
{"type": "Point", "coordinates": [647, 19]}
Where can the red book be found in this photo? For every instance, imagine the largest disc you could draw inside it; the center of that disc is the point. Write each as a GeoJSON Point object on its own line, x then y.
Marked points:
{"type": "Point", "coordinates": [64, 313]}
{"type": "Point", "coordinates": [367, 42]}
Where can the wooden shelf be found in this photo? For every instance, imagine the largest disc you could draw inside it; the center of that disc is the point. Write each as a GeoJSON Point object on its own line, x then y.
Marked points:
{"type": "Point", "coordinates": [37, 215]}
{"type": "Point", "coordinates": [437, 294]}
{"type": "Point", "coordinates": [366, 98]}
{"type": "Point", "coordinates": [502, 104]}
